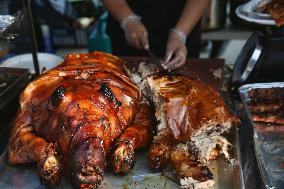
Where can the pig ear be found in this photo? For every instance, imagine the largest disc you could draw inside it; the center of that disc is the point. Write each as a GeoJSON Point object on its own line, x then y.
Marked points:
{"type": "Point", "coordinates": [57, 95]}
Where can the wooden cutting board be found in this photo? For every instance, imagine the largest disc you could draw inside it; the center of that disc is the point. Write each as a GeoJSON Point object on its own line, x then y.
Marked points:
{"type": "Point", "coordinates": [202, 69]}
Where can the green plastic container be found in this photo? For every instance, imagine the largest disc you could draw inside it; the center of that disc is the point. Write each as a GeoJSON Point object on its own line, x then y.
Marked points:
{"type": "Point", "coordinates": [98, 40]}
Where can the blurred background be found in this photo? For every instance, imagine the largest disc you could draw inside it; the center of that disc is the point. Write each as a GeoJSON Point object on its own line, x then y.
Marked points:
{"type": "Point", "coordinates": [66, 26]}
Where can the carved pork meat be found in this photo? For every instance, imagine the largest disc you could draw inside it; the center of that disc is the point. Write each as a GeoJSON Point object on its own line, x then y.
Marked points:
{"type": "Point", "coordinates": [192, 118]}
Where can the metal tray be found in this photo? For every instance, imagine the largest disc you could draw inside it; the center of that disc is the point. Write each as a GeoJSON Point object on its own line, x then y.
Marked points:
{"type": "Point", "coordinates": [14, 80]}
{"type": "Point", "coordinates": [226, 176]}
{"type": "Point", "coordinates": [268, 146]}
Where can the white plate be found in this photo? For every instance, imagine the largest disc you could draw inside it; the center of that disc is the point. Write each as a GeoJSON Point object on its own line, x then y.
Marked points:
{"type": "Point", "coordinates": [248, 12]}
{"type": "Point", "coordinates": [26, 61]}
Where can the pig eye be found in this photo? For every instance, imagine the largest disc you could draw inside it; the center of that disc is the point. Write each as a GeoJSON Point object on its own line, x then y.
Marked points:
{"type": "Point", "coordinates": [107, 92]}
{"type": "Point", "coordinates": [57, 96]}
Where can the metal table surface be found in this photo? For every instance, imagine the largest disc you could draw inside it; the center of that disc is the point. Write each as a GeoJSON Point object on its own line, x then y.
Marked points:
{"type": "Point", "coordinates": [25, 176]}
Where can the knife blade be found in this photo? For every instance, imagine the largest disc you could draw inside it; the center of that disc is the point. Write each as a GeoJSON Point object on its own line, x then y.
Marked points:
{"type": "Point", "coordinates": [156, 60]}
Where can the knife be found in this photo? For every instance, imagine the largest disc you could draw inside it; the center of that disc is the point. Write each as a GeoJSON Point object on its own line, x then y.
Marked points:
{"type": "Point", "coordinates": [156, 60]}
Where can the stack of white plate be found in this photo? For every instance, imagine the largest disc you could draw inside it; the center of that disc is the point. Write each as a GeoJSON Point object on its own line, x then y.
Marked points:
{"type": "Point", "coordinates": [46, 61]}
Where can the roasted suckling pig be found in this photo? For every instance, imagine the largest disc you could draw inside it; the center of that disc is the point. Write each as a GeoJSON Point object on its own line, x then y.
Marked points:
{"type": "Point", "coordinates": [192, 116]}
{"type": "Point", "coordinates": [79, 118]}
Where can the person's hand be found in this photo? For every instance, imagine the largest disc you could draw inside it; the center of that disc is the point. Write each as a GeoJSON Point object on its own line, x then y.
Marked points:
{"type": "Point", "coordinates": [136, 34]}
{"type": "Point", "coordinates": [176, 51]}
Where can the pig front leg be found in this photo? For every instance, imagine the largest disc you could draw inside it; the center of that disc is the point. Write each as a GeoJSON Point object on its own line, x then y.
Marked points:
{"type": "Point", "coordinates": [160, 150]}
{"type": "Point", "coordinates": [137, 136]}
{"type": "Point", "coordinates": [25, 146]}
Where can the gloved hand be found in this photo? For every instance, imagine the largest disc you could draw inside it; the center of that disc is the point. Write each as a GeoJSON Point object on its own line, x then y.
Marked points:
{"type": "Point", "coordinates": [176, 51]}
{"type": "Point", "coordinates": [136, 34]}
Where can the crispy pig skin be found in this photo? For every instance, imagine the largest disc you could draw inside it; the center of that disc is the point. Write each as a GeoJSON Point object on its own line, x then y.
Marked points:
{"type": "Point", "coordinates": [70, 117]}
{"type": "Point", "coordinates": [191, 104]}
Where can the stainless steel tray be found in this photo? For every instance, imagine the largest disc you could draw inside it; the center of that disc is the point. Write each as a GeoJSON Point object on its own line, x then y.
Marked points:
{"type": "Point", "coordinates": [14, 80]}
{"type": "Point", "coordinates": [226, 176]}
{"type": "Point", "coordinates": [269, 146]}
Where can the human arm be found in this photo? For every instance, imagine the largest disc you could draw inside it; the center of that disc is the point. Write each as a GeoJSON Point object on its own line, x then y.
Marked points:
{"type": "Point", "coordinates": [176, 51]}
{"type": "Point", "coordinates": [136, 33]}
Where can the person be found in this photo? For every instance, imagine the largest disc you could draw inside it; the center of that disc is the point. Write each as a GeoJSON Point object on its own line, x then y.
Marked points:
{"type": "Point", "coordinates": [171, 29]}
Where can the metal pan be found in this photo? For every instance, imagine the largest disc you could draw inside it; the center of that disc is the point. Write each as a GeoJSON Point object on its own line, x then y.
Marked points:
{"type": "Point", "coordinates": [12, 80]}
{"type": "Point", "coordinates": [268, 140]}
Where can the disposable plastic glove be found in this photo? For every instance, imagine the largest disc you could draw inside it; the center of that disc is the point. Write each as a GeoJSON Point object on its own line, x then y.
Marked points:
{"type": "Point", "coordinates": [176, 52]}
{"type": "Point", "coordinates": [136, 34]}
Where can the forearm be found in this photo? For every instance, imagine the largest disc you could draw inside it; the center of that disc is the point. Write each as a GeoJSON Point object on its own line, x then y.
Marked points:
{"type": "Point", "coordinates": [191, 14]}
{"type": "Point", "coordinates": [119, 9]}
